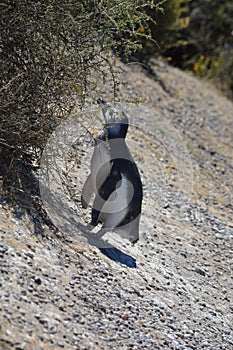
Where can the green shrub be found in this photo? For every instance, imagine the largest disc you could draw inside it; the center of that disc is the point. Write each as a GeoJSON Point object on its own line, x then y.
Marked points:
{"type": "Point", "coordinates": [167, 21]}
{"type": "Point", "coordinates": [209, 42]}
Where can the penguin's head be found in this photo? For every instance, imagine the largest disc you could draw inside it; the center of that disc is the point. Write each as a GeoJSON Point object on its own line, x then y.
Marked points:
{"type": "Point", "coordinates": [115, 129]}
{"type": "Point", "coordinates": [116, 123]}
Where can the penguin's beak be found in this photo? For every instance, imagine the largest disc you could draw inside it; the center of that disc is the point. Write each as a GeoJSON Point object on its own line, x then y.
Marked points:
{"type": "Point", "coordinates": [96, 135]}
{"type": "Point", "coordinates": [99, 134]}
{"type": "Point", "coordinates": [94, 132]}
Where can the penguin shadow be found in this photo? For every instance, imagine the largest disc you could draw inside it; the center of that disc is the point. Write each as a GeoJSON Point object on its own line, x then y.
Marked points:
{"type": "Point", "coordinates": [106, 248]}
{"type": "Point", "coordinates": [118, 256]}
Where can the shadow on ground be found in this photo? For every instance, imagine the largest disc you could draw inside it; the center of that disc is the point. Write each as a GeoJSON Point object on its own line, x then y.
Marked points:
{"type": "Point", "coordinates": [118, 256]}
{"type": "Point", "coordinates": [106, 248]}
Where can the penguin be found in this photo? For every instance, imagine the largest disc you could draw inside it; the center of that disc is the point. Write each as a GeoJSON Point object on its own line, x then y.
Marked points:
{"type": "Point", "coordinates": [114, 180]}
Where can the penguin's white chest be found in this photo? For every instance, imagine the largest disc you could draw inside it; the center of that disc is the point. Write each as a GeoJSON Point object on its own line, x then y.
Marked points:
{"type": "Point", "coordinates": [116, 207]}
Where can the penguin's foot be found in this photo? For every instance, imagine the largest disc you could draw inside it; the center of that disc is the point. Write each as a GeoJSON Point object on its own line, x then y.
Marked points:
{"type": "Point", "coordinates": [134, 242]}
{"type": "Point", "coordinates": [101, 232]}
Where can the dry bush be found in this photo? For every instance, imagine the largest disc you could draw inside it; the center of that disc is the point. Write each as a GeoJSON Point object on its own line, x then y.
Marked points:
{"type": "Point", "coordinates": [50, 52]}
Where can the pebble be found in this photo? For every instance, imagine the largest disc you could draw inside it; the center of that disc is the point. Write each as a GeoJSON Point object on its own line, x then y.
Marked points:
{"type": "Point", "coordinates": [37, 280]}
{"type": "Point", "coordinates": [200, 271]}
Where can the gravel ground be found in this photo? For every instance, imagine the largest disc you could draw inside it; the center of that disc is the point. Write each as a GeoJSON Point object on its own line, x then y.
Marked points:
{"type": "Point", "coordinates": [173, 289]}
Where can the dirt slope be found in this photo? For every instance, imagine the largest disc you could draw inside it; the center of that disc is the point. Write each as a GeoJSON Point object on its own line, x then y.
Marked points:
{"type": "Point", "coordinates": [57, 292]}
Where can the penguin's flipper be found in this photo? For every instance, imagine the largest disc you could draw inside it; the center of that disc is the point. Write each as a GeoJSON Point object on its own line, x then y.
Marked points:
{"type": "Point", "coordinates": [107, 188]}
{"type": "Point", "coordinates": [87, 192]}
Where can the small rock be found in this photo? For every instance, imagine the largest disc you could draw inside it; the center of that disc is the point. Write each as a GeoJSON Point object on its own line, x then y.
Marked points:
{"type": "Point", "coordinates": [124, 317]}
{"type": "Point", "coordinates": [37, 280]}
{"type": "Point", "coordinates": [200, 271]}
